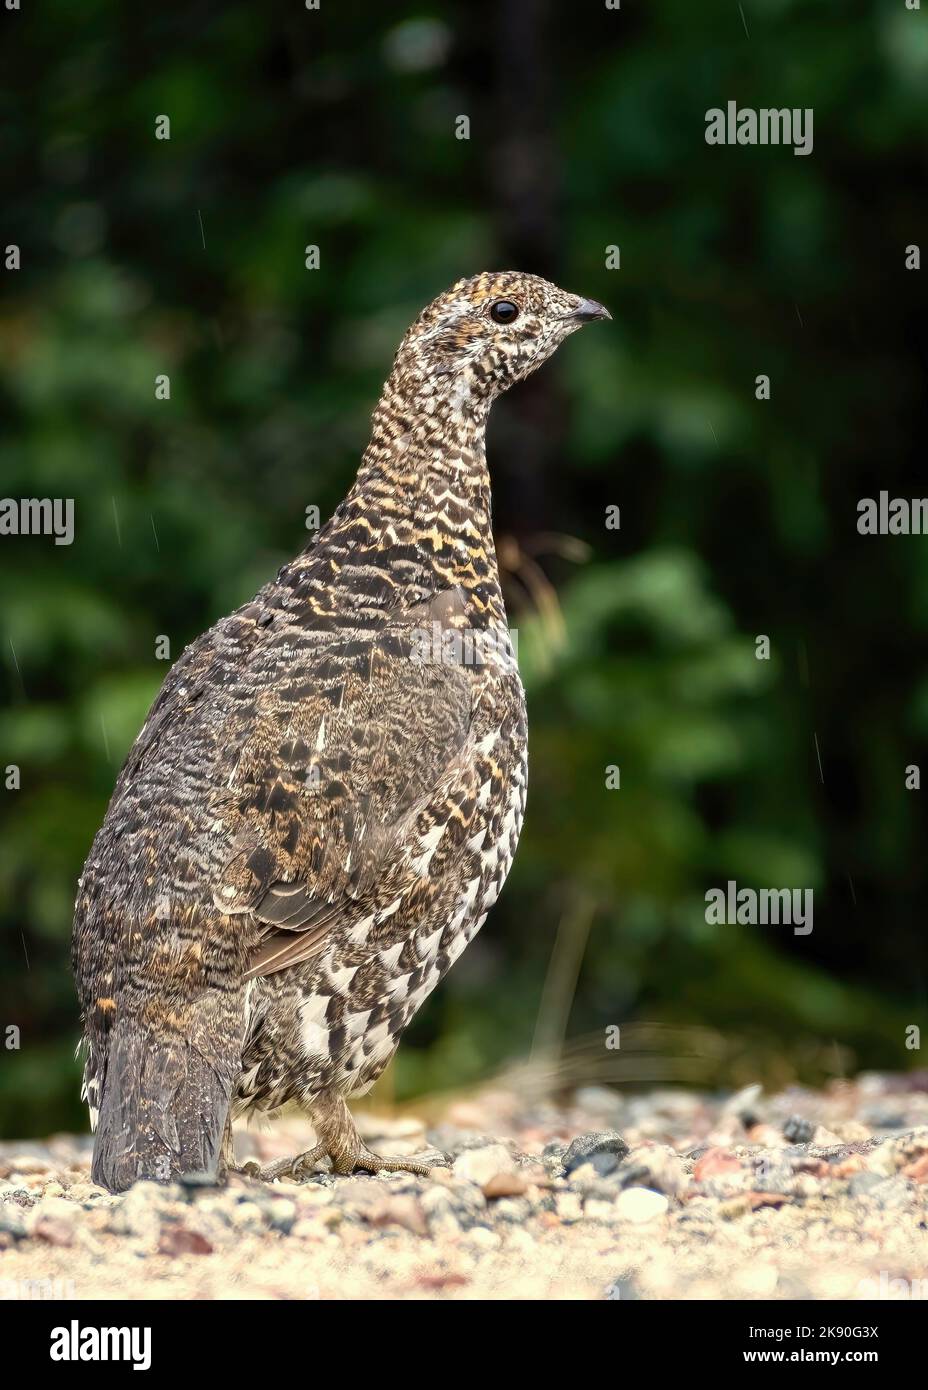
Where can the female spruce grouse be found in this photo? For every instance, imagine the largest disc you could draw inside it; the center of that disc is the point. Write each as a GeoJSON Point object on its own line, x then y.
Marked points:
{"type": "Point", "coordinates": [326, 796]}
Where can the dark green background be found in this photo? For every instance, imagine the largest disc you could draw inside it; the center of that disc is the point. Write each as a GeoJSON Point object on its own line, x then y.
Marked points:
{"type": "Point", "coordinates": [336, 128]}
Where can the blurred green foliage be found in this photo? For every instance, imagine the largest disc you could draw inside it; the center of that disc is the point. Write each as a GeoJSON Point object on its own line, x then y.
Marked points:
{"type": "Point", "coordinates": [335, 128]}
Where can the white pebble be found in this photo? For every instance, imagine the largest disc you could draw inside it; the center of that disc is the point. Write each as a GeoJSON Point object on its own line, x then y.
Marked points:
{"type": "Point", "coordinates": [640, 1204]}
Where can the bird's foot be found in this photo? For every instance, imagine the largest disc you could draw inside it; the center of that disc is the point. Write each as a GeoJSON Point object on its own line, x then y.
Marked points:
{"type": "Point", "coordinates": [340, 1143]}
{"type": "Point", "coordinates": [369, 1162]}
{"type": "Point", "coordinates": [364, 1160]}
{"type": "Point", "coordinates": [298, 1167]}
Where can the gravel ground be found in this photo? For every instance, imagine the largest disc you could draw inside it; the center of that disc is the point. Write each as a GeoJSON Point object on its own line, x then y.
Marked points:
{"type": "Point", "coordinates": [673, 1194]}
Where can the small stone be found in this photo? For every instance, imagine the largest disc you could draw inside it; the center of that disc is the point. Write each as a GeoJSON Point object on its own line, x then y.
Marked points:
{"type": "Point", "coordinates": [585, 1147]}
{"type": "Point", "coordinates": [282, 1215]}
{"type": "Point", "coordinates": [480, 1165]}
{"type": "Point", "coordinates": [12, 1221]}
{"type": "Point", "coordinates": [483, 1239]}
{"type": "Point", "coordinates": [640, 1204]}
{"type": "Point", "coordinates": [181, 1240]}
{"type": "Point", "coordinates": [505, 1185]}
{"type": "Point", "coordinates": [402, 1211]}
{"type": "Point", "coordinates": [798, 1130]}
{"type": "Point", "coordinates": [513, 1210]}
{"type": "Point", "coordinates": [826, 1138]}
{"type": "Point", "coordinates": [715, 1163]}
{"type": "Point", "coordinates": [569, 1207]}
{"type": "Point", "coordinates": [248, 1217]}
{"type": "Point", "coordinates": [52, 1220]}
{"type": "Point", "coordinates": [138, 1213]}
{"type": "Point", "coordinates": [766, 1136]}
{"type": "Point", "coordinates": [657, 1167]}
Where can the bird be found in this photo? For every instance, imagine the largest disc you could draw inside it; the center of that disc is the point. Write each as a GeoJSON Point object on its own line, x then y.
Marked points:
{"type": "Point", "coordinates": [326, 796]}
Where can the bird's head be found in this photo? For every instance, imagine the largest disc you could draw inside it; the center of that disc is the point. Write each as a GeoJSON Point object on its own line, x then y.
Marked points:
{"type": "Point", "coordinates": [489, 331]}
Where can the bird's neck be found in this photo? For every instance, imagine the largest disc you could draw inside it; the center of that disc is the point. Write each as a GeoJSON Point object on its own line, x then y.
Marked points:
{"type": "Point", "coordinates": [418, 517]}
{"type": "Point", "coordinates": [425, 468]}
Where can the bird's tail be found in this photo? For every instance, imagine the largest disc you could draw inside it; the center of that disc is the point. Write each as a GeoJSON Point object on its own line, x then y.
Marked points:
{"type": "Point", "coordinates": [163, 1106]}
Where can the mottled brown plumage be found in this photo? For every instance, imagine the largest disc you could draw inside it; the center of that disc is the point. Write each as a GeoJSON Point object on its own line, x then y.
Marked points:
{"type": "Point", "coordinates": [326, 796]}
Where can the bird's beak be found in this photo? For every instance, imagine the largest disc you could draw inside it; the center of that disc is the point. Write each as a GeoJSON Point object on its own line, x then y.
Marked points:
{"type": "Point", "coordinates": [587, 311]}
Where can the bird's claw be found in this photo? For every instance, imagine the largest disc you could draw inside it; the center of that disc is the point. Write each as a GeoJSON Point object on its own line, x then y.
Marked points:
{"type": "Point", "coordinates": [369, 1162]}
{"type": "Point", "coordinates": [300, 1167]}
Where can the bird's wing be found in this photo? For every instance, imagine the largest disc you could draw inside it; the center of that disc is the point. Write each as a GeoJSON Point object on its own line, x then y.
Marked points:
{"type": "Point", "coordinates": [345, 753]}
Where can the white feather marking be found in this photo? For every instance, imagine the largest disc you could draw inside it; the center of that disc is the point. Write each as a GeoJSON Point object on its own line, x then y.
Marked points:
{"type": "Point", "coordinates": [359, 932]}
{"type": "Point", "coordinates": [341, 979]}
{"type": "Point", "coordinates": [314, 1033]}
{"type": "Point", "coordinates": [391, 955]}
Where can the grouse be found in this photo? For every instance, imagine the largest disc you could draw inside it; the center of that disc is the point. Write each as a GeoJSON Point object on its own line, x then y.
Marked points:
{"type": "Point", "coordinates": [326, 796]}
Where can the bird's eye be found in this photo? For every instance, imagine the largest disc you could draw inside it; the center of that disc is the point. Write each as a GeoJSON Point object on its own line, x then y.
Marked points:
{"type": "Point", "coordinates": [504, 311]}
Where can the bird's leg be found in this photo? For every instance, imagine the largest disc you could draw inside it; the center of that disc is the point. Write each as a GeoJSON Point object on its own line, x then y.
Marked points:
{"type": "Point", "coordinates": [227, 1163]}
{"type": "Point", "coordinates": [340, 1142]}
{"type": "Point", "coordinates": [227, 1149]}
{"type": "Point", "coordinates": [339, 1137]}
{"type": "Point", "coordinates": [251, 1168]}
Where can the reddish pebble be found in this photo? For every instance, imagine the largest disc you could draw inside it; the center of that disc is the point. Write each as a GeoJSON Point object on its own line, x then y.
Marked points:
{"type": "Point", "coordinates": [715, 1162]}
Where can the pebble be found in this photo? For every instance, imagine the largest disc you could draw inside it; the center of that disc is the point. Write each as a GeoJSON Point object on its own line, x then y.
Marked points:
{"type": "Point", "coordinates": [656, 1167]}
{"type": "Point", "coordinates": [137, 1213]}
{"type": "Point", "coordinates": [53, 1220]}
{"type": "Point", "coordinates": [568, 1206]}
{"type": "Point", "coordinates": [511, 1184]}
{"type": "Point", "coordinates": [483, 1164]}
{"type": "Point", "coordinates": [181, 1240]}
{"type": "Point", "coordinates": [640, 1204]}
{"type": "Point", "coordinates": [402, 1211]}
{"type": "Point", "coordinates": [715, 1163]}
{"type": "Point", "coordinates": [586, 1147]}
{"type": "Point", "coordinates": [282, 1215]}
{"type": "Point", "coordinates": [12, 1221]}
